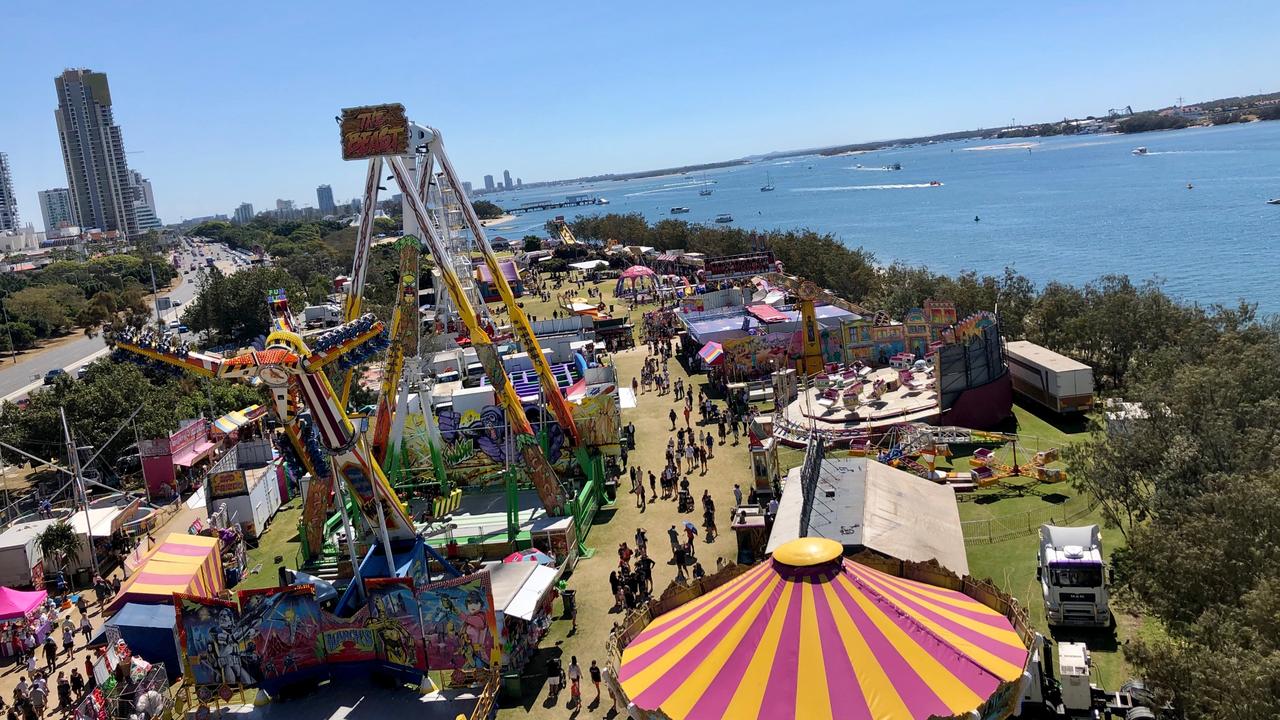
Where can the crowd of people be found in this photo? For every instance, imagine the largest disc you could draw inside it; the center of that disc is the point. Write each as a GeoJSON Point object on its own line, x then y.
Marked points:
{"type": "Point", "coordinates": [38, 691]}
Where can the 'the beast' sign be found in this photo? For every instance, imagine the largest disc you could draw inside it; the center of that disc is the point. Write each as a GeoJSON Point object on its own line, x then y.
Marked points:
{"type": "Point", "coordinates": [374, 131]}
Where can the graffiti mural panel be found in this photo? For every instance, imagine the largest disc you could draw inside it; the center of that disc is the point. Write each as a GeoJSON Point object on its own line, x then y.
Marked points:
{"type": "Point", "coordinates": [459, 624]}
{"type": "Point", "coordinates": [216, 648]}
{"type": "Point", "coordinates": [395, 622]}
{"type": "Point", "coordinates": [287, 627]}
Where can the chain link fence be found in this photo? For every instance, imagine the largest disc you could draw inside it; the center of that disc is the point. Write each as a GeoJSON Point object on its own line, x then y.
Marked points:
{"type": "Point", "coordinates": [1015, 525]}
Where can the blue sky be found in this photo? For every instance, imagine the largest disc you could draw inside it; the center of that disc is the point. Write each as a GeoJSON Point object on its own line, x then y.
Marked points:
{"type": "Point", "coordinates": [234, 101]}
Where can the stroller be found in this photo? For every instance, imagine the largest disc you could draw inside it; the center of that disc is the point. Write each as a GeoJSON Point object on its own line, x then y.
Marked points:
{"type": "Point", "coordinates": [685, 502]}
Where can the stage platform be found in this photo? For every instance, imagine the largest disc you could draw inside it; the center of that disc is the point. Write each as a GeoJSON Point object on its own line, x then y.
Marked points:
{"type": "Point", "coordinates": [482, 518]}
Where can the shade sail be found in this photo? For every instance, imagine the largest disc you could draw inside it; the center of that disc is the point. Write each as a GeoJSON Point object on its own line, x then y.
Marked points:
{"type": "Point", "coordinates": [808, 634]}
{"type": "Point", "coordinates": [16, 603]}
{"type": "Point", "coordinates": [190, 564]}
{"type": "Point", "coordinates": [532, 555]}
{"type": "Point", "coordinates": [711, 353]}
{"type": "Point", "coordinates": [636, 271]}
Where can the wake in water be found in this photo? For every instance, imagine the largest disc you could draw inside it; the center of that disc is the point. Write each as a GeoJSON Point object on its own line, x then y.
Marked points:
{"type": "Point", "coordinates": [867, 169]}
{"type": "Point", "coordinates": [1192, 152]}
{"type": "Point", "coordinates": [667, 188]}
{"type": "Point", "coordinates": [839, 188]}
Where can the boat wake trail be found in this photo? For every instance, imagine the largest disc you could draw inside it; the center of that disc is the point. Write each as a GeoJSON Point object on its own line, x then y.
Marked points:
{"type": "Point", "coordinates": [667, 188]}
{"type": "Point", "coordinates": [1193, 152]}
{"type": "Point", "coordinates": [867, 169]}
{"type": "Point", "coordinates": [841, 188]}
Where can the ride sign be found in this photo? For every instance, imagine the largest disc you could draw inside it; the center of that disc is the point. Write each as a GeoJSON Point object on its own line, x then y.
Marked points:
{"type": "Point", "coordinates": [374, 131]}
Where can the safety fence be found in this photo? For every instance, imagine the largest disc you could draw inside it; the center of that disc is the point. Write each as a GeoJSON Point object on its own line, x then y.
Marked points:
{"type": "Point", "coordinates": [1016, 525]}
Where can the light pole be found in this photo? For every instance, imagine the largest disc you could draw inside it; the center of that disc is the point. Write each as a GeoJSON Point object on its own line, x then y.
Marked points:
{"type": "Point", "coordinates": [13, 351]}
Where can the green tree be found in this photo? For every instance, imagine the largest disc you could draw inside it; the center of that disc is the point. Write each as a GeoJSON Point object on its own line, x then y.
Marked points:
{"type": "Point", "coordinates": [48, 309]}
{"type": "Point", "coordinates": [385, 226]}
{"type": "Point", "coordinates": [486, 210]}
{"type": "Point", "coordinates": [59, 542]}
{"type": "Point", "coordinates": [531, 243]}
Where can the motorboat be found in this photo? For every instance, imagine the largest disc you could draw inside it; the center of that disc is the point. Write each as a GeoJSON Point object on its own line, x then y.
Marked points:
{"type": "Point", "coordinates": [894, 166]}
{"type": "Point", "coordinates": [679, 210]}
{"type": "Point", "coordinates": [934, 183]}
{"type": "Point", "coordinates": [704, 191]}
{"type": "Point", "coordinates": [1140, 150]}
{"type": "Point", "coordinates": [724, 218]}
{"type": "Point", "coordinates": [1274, 201]}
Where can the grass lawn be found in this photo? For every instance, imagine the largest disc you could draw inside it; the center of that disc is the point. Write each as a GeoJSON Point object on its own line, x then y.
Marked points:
{"type": "Point", "coordinates": [280, 539]}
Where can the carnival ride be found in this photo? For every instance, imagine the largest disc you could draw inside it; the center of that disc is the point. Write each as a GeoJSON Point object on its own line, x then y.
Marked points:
{"type": "Point", "coordinates": [563, 231]}
{"type": "Point", "coordinates": [293, 373]}
{"type": "Point", "coordinates": [916, 447]}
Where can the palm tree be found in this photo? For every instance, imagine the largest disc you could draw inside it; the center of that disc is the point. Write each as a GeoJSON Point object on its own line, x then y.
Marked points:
{"type": "Point", "coordinates": [59, 542]}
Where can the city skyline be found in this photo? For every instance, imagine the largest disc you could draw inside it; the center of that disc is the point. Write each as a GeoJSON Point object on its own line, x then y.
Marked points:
{"type": "Point", "coordinates": [93, 154]}
{"type": "Point", "coordinates": [810, 79]}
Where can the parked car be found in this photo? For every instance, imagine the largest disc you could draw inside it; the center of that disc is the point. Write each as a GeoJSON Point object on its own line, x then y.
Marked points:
{"type": "Point", "coordinates": [52, 376]}
{"type": "Point", "coordinates": [84, 370]}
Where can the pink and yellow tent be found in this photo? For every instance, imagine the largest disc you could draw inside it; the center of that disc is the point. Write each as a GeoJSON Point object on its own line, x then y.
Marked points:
{"type": "Point", "coordinates": [190, 564]}
{"type": "Point", "coordinates": [809, 634]}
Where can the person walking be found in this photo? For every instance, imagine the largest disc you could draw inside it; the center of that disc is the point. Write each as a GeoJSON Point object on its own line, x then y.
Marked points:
{"type": "Point", "coordinates": [38, 697]}
{"type": "Point", "coordinates": [553, 678]}
{"type": "Point", "coordinates": [594, 672]}
{"type": "Point", "coordinates": [737, 495]}
{"type": "Point", "coordinates": [672, 415]}
{"type": "Point", "coordinates": [675, 540]}
{"type": "Point", "coordinates": [50, 652]}
{"type": "Point", "coordinates": [575, 682]}
{"type": "Point", "coordinates": [640, 494]}
{"type": "Point", "coordinates": [653, 486]}
{"type": "Point", "coordinates": [642, 541]}
{"type": "Point", "coordinates": [686, 417]}
{"type": "Point", "coordinates": [86, 628]}
{"type": "Point", "coordinates": [64, 691]}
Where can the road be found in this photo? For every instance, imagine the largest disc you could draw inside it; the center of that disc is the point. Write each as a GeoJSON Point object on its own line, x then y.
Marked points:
{"type": "Point", "coordinates": [17, 380]}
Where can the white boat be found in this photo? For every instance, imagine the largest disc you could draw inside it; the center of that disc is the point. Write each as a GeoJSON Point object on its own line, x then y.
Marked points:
{"type": "Point", "coordinates": [679, 210]}
{"type": "Point", "coordinates": [1140, 150]}
{"type": "Point", "coordinates": [768, 183]}
{"type": "Point", "coordinates": [1274, 201]}
{"type": "Point", "coordinates": [706, 187]}
{"type": "Point", "coordinates": [724, 218]}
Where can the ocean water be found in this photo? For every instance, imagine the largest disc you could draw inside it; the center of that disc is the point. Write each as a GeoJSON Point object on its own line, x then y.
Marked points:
{"type": "Point", "coordinates": [1068, 208]}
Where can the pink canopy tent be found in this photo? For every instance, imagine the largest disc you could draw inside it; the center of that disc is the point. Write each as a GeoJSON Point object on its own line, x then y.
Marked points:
{"type": "Point", "coordinates": [17, 603]}
{"type": "Point", "coordinates": [632, 275]}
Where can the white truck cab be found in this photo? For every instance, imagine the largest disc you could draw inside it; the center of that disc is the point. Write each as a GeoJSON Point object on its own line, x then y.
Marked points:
{"type": "Point", "coordinates": [1072, 576]}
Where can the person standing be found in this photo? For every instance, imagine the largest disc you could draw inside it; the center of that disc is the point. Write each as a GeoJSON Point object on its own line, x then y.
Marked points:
{"type": "Point", "coordinates": [675, 540]}
{"type": "Point", "coordinates": [575, 681]}
{"type": "Point", "coordinates": [642, 541]}
{"type": "Point", "coordinates": [86, 628]}
{"type": "Point", "coordinates": [39, 697]}
{"type": "Point", "coordinates": [64, 691]}
{"type": "Point", "coordinates": [594, 672]}
{"type": "Point", "coordinates": [672, 415]}
{"type": "Point", "coordinates": [50, 651]}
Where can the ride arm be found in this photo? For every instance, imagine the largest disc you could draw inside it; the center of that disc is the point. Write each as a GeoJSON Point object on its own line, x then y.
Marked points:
{"type": "Point", "coordinates": [535, 462]}
{"type": "Point", "coordinates": [519, 321]}
{"type": "Point", "coordinates": [404, 339]}
{"type": "Point", "coordinates": [360, 259]}
{"type": "Point", "coordinates": [196, 363]}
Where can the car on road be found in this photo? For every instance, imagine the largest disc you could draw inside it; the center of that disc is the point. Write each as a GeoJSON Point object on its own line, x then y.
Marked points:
{"type": "Point", "coordinates": [84, 370]}
{"type": "Point", "coordinates": [52, 376]}
{"type": "Point", "coordinates": [174, 324]}
{"type": "Point", "coordinates": [184, 329]}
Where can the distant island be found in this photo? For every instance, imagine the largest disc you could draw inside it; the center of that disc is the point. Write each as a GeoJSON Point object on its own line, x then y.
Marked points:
{"type": "Point", "coordinates": [1248, 108]}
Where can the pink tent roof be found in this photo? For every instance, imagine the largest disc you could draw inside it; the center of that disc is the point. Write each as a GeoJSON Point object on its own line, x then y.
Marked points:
{"type": "Point", "coordinates": [16, 603]}
{"type": "Point", "coordinates": [636, 271]}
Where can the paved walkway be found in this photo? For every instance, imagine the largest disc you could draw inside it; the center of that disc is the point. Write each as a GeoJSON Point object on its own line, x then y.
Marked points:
{"type": "Point", "coordinates": [728, 465]}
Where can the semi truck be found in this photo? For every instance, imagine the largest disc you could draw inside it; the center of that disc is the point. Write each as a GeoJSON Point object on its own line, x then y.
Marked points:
{"type": "Point", "coordinates": [316, 316]}
{"type": "Point", "coordinates": [1070, 693]}
{"type": "Point", "coordinates": [1055, 381]}
{"type": "Point", "coordinates": [1071, 572]}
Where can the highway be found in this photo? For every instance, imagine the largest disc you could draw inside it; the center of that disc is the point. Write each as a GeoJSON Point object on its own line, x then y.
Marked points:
{"type": "Point", "coordinates": [17, 380]}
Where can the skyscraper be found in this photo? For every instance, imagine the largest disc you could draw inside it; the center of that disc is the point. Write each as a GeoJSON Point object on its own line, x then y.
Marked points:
{"type": "Point", "coordinates": [506, 180]}
{"type": "Point", "coordinates": [8, 203]}
{"type": "Point", "coordinates": [466, 187]}
{"type": "Point", "coordinates": [519, 182]}
{"type": "Point", "coordinates": [93, 153]}
{"type": "Point", "coordinates": [55, 207]}
{"type": "Point", "coordinates": [144, 203]}
{"type": "Point", "coordinates": [488, 183]}
{"type": "Point", "coordinates": [356, 204]}
{"type": "Point", "coordinates": [244, 213]}
{"type": "Point", "coordinates": [324, 197]}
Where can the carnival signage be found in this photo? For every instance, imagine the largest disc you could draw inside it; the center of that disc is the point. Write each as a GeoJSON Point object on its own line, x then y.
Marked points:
{"type": "Point", "coordinates": [227, 484]}
{"type": "Point", "coordinates": [374, 131]}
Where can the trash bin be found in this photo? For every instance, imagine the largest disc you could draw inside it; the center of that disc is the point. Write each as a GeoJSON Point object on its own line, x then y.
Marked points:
{"type": "Point", "coordinates": [570, 598]}
{"type": "Point", "coordinates": [511, 688]}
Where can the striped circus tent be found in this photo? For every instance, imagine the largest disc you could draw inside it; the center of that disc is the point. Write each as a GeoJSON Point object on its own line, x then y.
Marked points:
{"type": "Point", "coordinates": [181, 563]}
{"type": "Point", "coordinates": [809, 634]}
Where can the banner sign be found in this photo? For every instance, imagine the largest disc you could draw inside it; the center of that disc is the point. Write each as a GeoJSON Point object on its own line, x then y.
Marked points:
{"type": "Point", "coordinates": [374, 131]}
{"type": "Point", "coordinates": [739, 266]}
{"type": "Point", "coordinates": [227, 484]}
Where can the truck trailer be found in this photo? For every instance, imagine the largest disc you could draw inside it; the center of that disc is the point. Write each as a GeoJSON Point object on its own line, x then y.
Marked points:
{"type": "Point", "coordinates": [1055, 381]}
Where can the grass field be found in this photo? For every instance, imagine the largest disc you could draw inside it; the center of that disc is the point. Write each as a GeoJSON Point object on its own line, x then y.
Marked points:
{"type": "Point", "coordinates": [280, 540]}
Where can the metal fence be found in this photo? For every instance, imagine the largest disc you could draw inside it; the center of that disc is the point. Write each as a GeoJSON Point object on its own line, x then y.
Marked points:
{"type": "Point", "coordinates": [1015, 525]}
